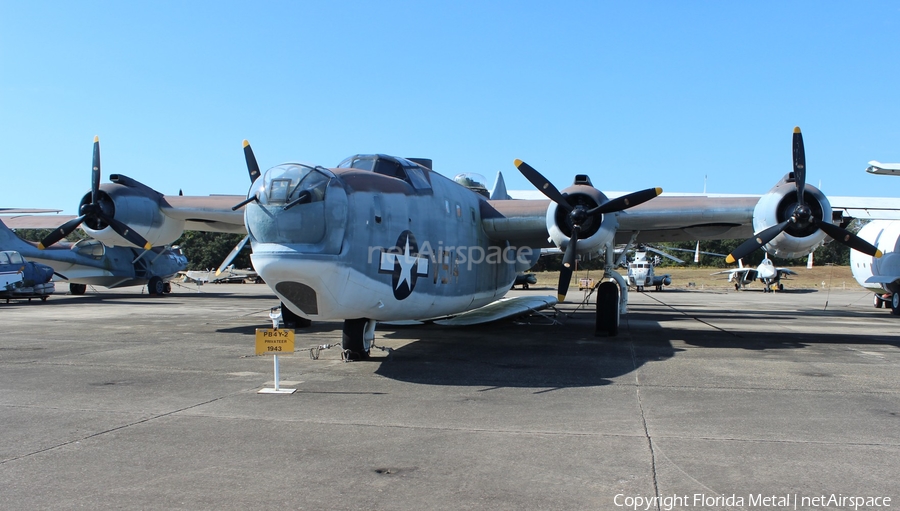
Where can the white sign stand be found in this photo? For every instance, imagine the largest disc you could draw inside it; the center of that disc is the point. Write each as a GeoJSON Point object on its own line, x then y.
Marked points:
{"type": "Point", "coordinates": [276, 317]}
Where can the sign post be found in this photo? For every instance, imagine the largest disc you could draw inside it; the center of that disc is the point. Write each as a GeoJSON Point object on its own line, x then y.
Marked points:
{"type": "Point", "coordinates": [273, 341]}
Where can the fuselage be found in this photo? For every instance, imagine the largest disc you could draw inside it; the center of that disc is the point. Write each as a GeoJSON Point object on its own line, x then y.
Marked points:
{"type": "Point", "coordinates": [885, 235]}
{"type": "Point", "coordinates": [378, 237]}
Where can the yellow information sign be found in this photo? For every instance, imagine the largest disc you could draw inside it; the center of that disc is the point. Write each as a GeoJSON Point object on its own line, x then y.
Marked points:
{"type": "Point", "coordinates": [274, 342]}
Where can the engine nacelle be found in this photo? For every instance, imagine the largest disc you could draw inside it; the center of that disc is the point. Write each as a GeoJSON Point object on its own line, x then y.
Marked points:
{"type": "Point", "coordinates": [137, 206]}
{"type": "Point", "coordinates": [777, 205]}
{"type": "Point", "coordinates": [596, 231]}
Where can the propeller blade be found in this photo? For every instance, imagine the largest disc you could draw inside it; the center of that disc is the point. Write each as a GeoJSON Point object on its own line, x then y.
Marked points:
{"type": "Point", "coordinates": [542, 184]}
{"type": "Point", "coordinates": [846, 237]}
{"type": "Point", "coordinates": [95, 171]}
{"type": "Point", "coordinates": [799, 164]}
{"type": "Point", "coordinates": [252, 166]}
{"type": "Point", "coordinates": [126, 232]}
{"type": "Point", "coordinates": [61, 232]}
{"type": "Point", "coordinates": [565, 273]}
{"type": "Point", "coordinates": [565, 276]}
{"type": "Point", "coordinates": [756, 242]}
{"type": "Point", "coordinates": [231, 255]}
{"type": "Point", "coordinates": [626, 201]}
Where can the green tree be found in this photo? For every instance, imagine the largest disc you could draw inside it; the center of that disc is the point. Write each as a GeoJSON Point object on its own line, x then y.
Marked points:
{"type": "Point", "coordinates": [207, 250]}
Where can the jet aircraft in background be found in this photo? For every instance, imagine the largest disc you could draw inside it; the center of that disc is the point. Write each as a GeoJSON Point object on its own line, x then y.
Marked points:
{"type": "Point", "coordinates": [384, 238]}
{"type": "Point", "coordinates": [766, 272]}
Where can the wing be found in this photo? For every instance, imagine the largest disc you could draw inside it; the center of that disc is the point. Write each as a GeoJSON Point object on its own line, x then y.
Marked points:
{"type": "Point", "coordinates": [867, 208]}
{"type": "Point", "coordinates": [786, 271]}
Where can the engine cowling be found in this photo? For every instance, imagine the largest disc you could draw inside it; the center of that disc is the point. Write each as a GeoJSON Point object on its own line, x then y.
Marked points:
{"type": "Point", "coordinates": [595, 232]}
{"type": "Point", "coordinates": [138, 207]}
{"type": "Point", "coordinates": [777, 205]}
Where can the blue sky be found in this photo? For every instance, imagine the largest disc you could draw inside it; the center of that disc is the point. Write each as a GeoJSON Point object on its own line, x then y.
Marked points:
{"type": "Point", "coordinates": [635, 94]}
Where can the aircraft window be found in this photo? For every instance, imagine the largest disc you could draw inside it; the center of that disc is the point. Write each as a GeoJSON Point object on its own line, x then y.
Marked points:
{"type": "Point", "coordinates": [389, 166]}
{"type": "Point", "coordinates": [4, 258]}
{"type": "Point", "coordinates": [16, 258]}
{"type": "Point", "coordinates": [278, 190]}
{"type": "Point", "coordinates": [417, 178]}
{"type": "Point", "coordinates": [315, 183]}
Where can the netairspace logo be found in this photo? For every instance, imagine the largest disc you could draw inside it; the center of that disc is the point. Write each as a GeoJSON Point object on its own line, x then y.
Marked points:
{"type": "Point", "coordinates": [786, 501]}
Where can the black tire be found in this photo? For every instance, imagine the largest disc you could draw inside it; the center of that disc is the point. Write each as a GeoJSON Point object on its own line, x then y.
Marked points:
{"type": "Point", "coordinates": [607, 321]}
{"type": "Point", "coordinates": [353, 338]}
{"type": "Point", "coordinates": [77, 289]}
{"type": "Point", "coordinates": [167, 288]}
{"type": "Point", "coordinates": [895, 304]}
{"type": "Point", "coordinates": [878, 302]}
{"type": "Point", "coordinates": [781, 287]}
{"type": "Point", "coordinates": [156, 286]}
{"type": "Point", "coordinates": [292, 320]}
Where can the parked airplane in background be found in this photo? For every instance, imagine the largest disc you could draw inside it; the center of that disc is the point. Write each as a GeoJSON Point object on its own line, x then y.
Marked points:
{"type": "Point", "coordinates": [886, 169]}
{"type": "Point", "coordinates": [89, 262]}
{"type": "Point", "coordinates": [21, 279]}
{"type": "Point", "coordinates": [766, 272]}
{"type": "Point", "coordinates": [382, 238]}
{"type": "Point", "coordinates": [641, 273]}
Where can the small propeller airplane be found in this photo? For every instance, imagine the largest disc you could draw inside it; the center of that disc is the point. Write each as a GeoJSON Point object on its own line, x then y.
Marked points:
{"type": "Point", "coordinates": [89, 262]}
{"type": "Point", "coordinates": [382, 238]}
{"type": "Point", "coordinates": [766, 272]}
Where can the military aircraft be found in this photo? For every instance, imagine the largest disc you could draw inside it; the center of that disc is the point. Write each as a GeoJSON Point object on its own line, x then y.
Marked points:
{"type": "Point", "coordinates": [89, 262]}
{"type": "Point", "coordinates": [766, 272]}
{"type": "Point", "coordinates": [887, 169]}
{"type": "Point", "coordinates": [641, 271]}
{"type": "Point", "coordinates": [20, 279]}
{"type": "Point", "coordinates": [882, 276]}
{"type": "Point", "coordinates": [384, 238]}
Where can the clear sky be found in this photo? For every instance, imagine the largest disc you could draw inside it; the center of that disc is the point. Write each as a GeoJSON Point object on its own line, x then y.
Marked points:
{"type": "Point", "coordinates": [635, 94]}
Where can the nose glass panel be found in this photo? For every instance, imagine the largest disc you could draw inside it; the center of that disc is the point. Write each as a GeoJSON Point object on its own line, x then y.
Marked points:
{"type": "Point", "coordinates": [290, 207]}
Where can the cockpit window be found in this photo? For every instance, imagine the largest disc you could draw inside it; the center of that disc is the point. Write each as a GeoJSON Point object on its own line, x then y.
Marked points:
{"type": "Point", "coordinates": [392, 166]}
{"type": "Point", "coordinates": [4, 258]}
{"type": "Point", "coordinates": [16, 258]}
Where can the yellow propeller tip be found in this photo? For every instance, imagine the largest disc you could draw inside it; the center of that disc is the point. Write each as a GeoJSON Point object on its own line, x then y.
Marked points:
{"type": "Point", "coordinates": [878, 253]}
{"type": "Point", "coordinates": [518, 162]}
{"type": "Point", "coordinates": [729, 259]}
{"type": "Point", "coordinates": [96, 139]}
{"type": "Point", "coordinates": [246, 142]}
{"type": "Point", "coordinates": [561, 298]}
{"type": "Point", "coordinates": [658, 190]}
{"type": "Point", "coordinates": [147, 246]}
{"type": "Point", "coordinates": [796, 129]}
{"type": "Point", "coordinates": [218, 272]}
{"type": "Point", "coordinates": [41, 246]}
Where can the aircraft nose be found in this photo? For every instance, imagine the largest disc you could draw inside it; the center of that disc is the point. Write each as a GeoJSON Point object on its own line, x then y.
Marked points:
{"type": "Point", "coordinates": [290, 205]}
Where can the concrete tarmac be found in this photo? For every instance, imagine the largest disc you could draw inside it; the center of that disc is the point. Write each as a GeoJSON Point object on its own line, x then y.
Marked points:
{"type": "Point", "coordinates": [706, 400]}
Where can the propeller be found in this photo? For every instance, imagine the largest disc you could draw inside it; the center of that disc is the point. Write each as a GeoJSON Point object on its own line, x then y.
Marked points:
{"type": "Point", "coordinates": [253, 170]}
{"type": "Point", "coordinates": [802, 216]}
{"type": "Point", "coordinates": [94, 211]}
{"type": "Point", "coordinates": [579, 215]}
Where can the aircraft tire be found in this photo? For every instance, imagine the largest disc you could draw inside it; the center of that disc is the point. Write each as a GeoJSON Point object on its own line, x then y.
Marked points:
{"type": "Point", "coordinates": [167, 288]}
{"type": "Point", "coordinates": [878, 303]}
{"type": "Point", "coordinates": [156, 286]}
{"type": "Point", "coordinates": [292, 320]}
{"type": "Point", "coordinates": [607, 321]}
{"type": "Point", "coordinates": [77, 289]}
{"type": "Point", "coordinates": [895, 304]}
{"type": "Point", "coordinates": [353, 338]}
{"type": "Point", "coordinates": [781, 287]}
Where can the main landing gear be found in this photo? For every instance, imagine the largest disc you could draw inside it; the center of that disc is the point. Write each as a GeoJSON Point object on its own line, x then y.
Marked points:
{"type": "Point", "coordinates": [895, 304]}
{"type": "Point", "coordinates": [358, 337]}
{"type": "Point", "coordinates": [607, 321]}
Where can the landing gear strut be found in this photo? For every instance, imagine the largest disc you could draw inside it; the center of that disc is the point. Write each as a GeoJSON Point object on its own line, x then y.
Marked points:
{"type": "Point", "coordinates": [292, 320]}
